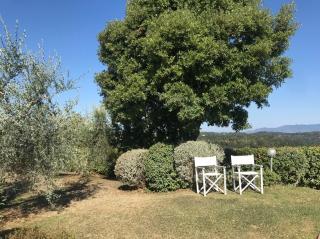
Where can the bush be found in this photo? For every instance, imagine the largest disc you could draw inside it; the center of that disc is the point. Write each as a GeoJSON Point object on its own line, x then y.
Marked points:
{"type": "Point", "coordinates": [87, 146]}
{"type": "Point", "coordinates": [312, 177]}
{"type": "Point", "coordinates": [159, 166]}
{"type": "Point", "coordinates": [270, 177]}
{"type": "Point", "coordinates": [130, 167]}
{"type": "Point", "coordinates": [183, 158]}
{"type": "Point", "coordinates": [102, 155]}
{"type": "Point", "coordinates": [290, 163]}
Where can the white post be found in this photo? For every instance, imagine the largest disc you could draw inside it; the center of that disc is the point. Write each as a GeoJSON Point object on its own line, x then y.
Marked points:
{"type": "Point", "coordinates": [271, 153]}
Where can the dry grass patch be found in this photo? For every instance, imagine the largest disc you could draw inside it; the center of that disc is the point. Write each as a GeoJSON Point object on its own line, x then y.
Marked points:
{"type": "Point", "coordinates": [283, 212]}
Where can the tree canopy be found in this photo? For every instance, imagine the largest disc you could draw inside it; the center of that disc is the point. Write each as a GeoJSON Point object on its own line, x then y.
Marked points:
{"type": "Point", "coordinates": [175, 64]}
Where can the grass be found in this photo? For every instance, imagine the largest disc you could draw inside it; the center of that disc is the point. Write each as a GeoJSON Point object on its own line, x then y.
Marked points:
{"type": "Point", "coordinates": [283, 212]}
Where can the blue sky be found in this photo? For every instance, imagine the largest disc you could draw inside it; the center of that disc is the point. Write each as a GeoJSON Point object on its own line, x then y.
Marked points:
{"type": "Point", "coordinates": [70, 28]}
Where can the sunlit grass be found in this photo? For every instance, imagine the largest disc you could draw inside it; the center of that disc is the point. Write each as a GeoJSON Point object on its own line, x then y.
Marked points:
{"type": "Point", "coordinates": [283, 212]}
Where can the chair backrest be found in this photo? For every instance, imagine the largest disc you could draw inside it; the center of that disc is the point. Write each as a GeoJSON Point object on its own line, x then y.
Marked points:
{"type": "Point", "coordinates": [242, 160]}
{"type": "Point", "coordinates": [205, 161]}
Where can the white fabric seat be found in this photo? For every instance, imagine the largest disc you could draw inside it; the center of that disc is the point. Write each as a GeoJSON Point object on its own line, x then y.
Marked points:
{"type": "Point", "coordinates": [248, 177]}
{"type": "Point", "coordinates": [249, 173]}
{"type": "Point", "coordinates": [211, 175]}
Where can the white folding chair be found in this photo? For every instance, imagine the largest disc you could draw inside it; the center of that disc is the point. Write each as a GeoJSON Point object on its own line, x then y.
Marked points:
{"type": "Point", "coordinates": [210, 174]}
{"type": "Point", "coordinates": [249, 176]}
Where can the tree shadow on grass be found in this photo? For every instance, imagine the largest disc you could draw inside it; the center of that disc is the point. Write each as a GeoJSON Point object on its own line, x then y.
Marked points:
{"type": "Point", "coordinates": [13, 190]}
{"type": "Point", "coordinates": [6, 233]}
{"type": "Point", "coordinates": [75, 191]}
{"type": "Point", "coordinates": [128, 188]}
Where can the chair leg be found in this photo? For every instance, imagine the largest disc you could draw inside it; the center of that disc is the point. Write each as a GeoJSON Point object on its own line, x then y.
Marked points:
{"type": "Point", "coordinates": [204, 185]}
{"type": "Point", "coordinates": [197, 181]}
{"type": "Point", "coordinates": [261, 178]}
{"type": "Point", "coordinates": [224, 181]}
{"type": "Point", "coordinates": [240, 186]}
{"type": "Point", "coordinates": [233, 180]}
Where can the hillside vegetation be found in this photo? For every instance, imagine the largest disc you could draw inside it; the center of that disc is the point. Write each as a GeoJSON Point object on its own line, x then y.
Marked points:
{"type": "Point", "coordinates": [239, 140]}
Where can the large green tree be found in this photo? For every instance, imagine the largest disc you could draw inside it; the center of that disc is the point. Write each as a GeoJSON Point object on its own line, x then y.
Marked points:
{"type": "Point", "coordinates": [175, 64]}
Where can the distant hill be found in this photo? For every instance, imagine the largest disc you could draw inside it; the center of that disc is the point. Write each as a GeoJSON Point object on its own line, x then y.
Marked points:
{"type": "Point", "coordinates": [299, 128]}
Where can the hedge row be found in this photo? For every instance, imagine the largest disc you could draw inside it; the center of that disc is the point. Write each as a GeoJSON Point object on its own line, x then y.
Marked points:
{"type": "Point", "coordinates": [163, 167]}
{"type": "Point", "coordinates": [291, 165]}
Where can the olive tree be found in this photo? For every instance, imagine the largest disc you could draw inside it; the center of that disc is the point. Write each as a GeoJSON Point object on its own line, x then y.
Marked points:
{"type": "Point", "coordinates": [30, 115]}
{"type": "Point", "coordinates": [175, 64]}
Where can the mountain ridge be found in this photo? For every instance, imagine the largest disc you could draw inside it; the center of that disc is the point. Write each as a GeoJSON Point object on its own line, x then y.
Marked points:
{"type": "Point", "coordinates": [297, 128]}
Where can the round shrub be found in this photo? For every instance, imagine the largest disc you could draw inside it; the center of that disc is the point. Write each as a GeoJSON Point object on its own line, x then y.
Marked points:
{"type": "Point", "coordinates": [159, 169]}
{"type": "Point", "coordinates": [130, 167]}
{"type": "Point", "coordinates": [184, 155]}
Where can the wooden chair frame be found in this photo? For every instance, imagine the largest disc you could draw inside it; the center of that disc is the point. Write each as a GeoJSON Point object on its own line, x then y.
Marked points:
{"type": "Point", "coordinates": [249, 177]}
{"type": "Point", "coordinates": [212, 173]}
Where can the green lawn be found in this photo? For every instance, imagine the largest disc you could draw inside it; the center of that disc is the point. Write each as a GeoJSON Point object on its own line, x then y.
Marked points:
{"type": "Point", "coordinates": [283, 212]}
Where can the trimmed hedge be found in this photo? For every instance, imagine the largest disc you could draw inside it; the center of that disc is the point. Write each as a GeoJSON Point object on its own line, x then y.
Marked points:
{"type": "Point", "coordinates": [291, 165]}
{"type": "Point", "coordinates": [164, 168]}
{"type": "Point", "coordinates": [184, 155]}
{"type": "Point", "coordinates": [159, 169]}
{"type": "Point", "coordinates": [312, 176]}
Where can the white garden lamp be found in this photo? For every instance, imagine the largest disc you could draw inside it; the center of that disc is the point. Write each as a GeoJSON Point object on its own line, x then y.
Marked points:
{"type": "Point", "coordinates": [271, 153]}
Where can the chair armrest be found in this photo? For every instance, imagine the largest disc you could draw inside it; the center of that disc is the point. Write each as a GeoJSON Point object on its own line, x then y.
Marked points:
{"type": "Point", "coordinates": [258, 165]}
{"type": "Point", "coordinates": [236, 166]}
{"type": "Point", "coordinates": [219, 166]}
{"type": "Point", "coordinates": [214, 167]}
{"type": "Point", "coordinates": [201, 167]}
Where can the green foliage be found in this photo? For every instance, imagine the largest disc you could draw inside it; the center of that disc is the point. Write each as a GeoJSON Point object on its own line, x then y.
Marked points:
{"type": "Point", "coordinates": [312, 177]}
{"type": "Point", "coordinates": [39, 136]}
{"type": "Point", "coordinates": [184, 155]}
{"type": "Point", "coordinates": [30, 144]}
{"type": "Point", "coordinates": [102, 156]}
{"type": "Point", "coordinates": [258, 140]}
{"type": "Point", "coordinates": [174, 64]}
{"type": "Point", "coordinates": [290, 163]}
{"type": "Point", "coordinates": [270, 177]}
{"type": "Point", "coordinates": [159, 169]}
{"type": "Point", "coordinates": [75, 135]}
{"type": "Point", "coordinates": [86, 143]}
{"type": "Point", "coordinates": [130, 167]}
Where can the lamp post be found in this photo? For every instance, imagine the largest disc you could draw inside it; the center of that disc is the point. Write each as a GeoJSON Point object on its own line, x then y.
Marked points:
{"type": "Point", "coordinates": [271, 153]}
